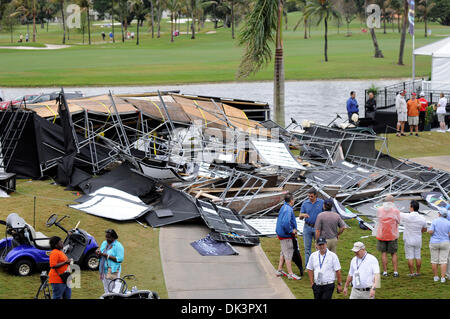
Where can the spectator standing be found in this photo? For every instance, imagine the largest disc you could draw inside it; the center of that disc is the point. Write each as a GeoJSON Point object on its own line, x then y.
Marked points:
{"type": "Point", "coordinates": [402, 112]}
{"type": "Point", "coordinates": [363, 274]}
{"type": "Point", "coordinates": [422, 111]}
{"type": "Point", "coordinates": [439, 244]}
{"type": "Point", "coordinates": [111, 253]}
{"type": "Point", "coordinates": [59, 263]}
{"type": "Point", "coordinates": [312, 207]}
{"type": "Point", "coordinates": [371, 106]}
{"type": "Point", "coordinates": [413, 107]}
{"type": "Point", "coordinates": [440, 111]}
{"type": "Point", "coordinates": [103, 35]}
{"type": "Point", "coordinates": [286, 229]}
{"type": "Point", "coordinates": [111, 36]}
{"type": "Point", "coordinates": [387, 233]}
{"type": "Point", "coordinates": [27, 37]}
{"type": "Point", "coordinates": [21, 37]}
{"type": "Point", "coordinates": [415, 225]}
{"type": "Point", "coordinates": [329, 225]}
{"type": "Point", "coordinates": [323, 270]}
{"type": "Point", "coordinates": [352, 107]}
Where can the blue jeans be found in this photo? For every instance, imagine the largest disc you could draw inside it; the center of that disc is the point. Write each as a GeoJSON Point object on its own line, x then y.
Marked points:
{"type": "Point", "coordinates": [61, 291]}
{"type": "Point", "coordinates": [308, 234]}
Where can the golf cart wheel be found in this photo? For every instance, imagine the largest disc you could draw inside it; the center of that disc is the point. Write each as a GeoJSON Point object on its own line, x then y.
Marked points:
{"type": "Point", "coordinates": [23, 267]}
{"type": "Point", "coordinates": [91, 261]}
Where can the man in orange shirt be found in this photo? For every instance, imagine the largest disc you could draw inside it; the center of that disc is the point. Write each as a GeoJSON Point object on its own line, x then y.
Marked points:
{"type": "Point", "coordinates": [413, 106]}
{"type": "Point", "coordinates": [58, 265]}
{"type": "Point", "coordinates": [423, 107]}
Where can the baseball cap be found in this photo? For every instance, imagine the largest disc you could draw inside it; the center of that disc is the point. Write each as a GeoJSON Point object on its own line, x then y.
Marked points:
{"type": "Point", "coordinates": [413, 93]}
{"type": "Point", "coordinates": [422, 94]}
{"type": "Point", "coordinates": [358, 246]}
{"type": "Point", "coordinates": [443, 211]}
{"type": "Point", "coordinates": [321, 240]}
{"type": "Point", "coordinates": [328, 201]}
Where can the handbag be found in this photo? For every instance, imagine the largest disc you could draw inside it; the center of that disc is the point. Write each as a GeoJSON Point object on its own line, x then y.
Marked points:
{"type": "Point", "coordinates": [109, 274]}
{"type": "Point", "coordinates": [65, 277]}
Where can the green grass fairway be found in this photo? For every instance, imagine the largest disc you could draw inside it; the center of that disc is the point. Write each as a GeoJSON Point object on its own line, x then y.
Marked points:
{"type": "Point", "coordinates": [209, 58]}
{"type": "Point", "coordinates": [141, 245]}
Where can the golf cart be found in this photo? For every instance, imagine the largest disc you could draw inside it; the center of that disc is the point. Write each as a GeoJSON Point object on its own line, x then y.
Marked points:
{"type": "Point", "coordinates": [118, 289]}
{"type": "Point", "coordinates": [24, 250]}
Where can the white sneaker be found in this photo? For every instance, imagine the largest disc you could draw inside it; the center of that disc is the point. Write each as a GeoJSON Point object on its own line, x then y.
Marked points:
{"type": "Point", "coordinates": [443, 279]}
{"type": "Point", "coordinates": [294, 277]}
{"type": "Point", "coordinates": [279, 273]}
{"type": "Point", "coordinates": [436, 278]}
{"type": "Point", "coordinates": [440, 131]}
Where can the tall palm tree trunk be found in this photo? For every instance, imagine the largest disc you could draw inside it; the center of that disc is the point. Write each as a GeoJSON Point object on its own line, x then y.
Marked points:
{"type": "Point", "coordinates": [34, 20]}
{"type": "Point", "coordinates": [193, 19]}
{"type": "Point", "coordinates": [278, 83]}
{"type": "Point", "coordinates": [232, 19]}
{"type": "Point", "coordinates": [326, 38]}
{"type": "Point", "coordinates": [63, 23]}
{"type": "Point", "coordinates": [112, 20]}
{"type": "Point", "coordinates": [153, 19]}
{"type": "Point", "coordinates": [89, 25]}
{"type": "Point", "coordinates": [378, 53]}
{"type": "Point", "coordinates": [384, 20]}
{"type": "Point", "coordinates": [171, 27]}
{"type": "Point", "coordinates": [137, 33]}
{"type": "Point", "coordinates": [425, 20]}
{"type": "Point", "coordinates": [305, 22]}
{"type": "Point", "coordinates": [159, 19]}
{"type": "Point", "coordinates": [403, 36]}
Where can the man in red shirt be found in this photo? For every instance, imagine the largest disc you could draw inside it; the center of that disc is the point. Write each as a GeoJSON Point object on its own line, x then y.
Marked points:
{"type": "Point", "coordinates": [423, 106]}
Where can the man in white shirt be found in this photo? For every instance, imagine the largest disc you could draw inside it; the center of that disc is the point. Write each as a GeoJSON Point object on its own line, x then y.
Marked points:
{"type": "Point", "coordinates": [440, 112]}
{"type": "Point", "coordinates": [402, 112]}
{"type": "Point", "coordinates": [323, 269]}
{"type": "Point", "coordinates": [415, 225]}
{"type": "Point", "coordinates": [364, 274]}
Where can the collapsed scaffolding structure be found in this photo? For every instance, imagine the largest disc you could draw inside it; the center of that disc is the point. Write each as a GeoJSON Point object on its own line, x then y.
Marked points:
{"type": "Point", "coordinates": [157, 150]}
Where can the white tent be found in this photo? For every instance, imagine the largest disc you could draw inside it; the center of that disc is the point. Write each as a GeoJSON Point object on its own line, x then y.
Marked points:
{"type": "Point", "coordinates": [440, 65]}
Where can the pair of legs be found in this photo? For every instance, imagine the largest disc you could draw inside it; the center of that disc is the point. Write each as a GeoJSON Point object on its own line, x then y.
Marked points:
{"type": "Point", "coordinates": [324, 292]}
{"type": "Point", "coordinates": [288, 264]}
{"type": "Point", "coordinates": [287, 251]}
{"type": "Point", "coordinates": [309, 233]}
{"type": "Point", "coordinates": [400, 127]}
{"type": "Point", "coordinates": [411, 266]}
{"type": "Point", "coordinates": [61, 291]}
{"type": "Point", "coordinates": [384, 261]}
{"type": "Point", "coordinates": [435, 269]}
{"type": "Point", "coordinates": [412, 252]}
{"type": "Point", "coordinates": [414, 127]}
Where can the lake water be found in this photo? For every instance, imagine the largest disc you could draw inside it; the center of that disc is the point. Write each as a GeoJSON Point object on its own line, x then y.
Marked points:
{"type": "Point", "coordinates": [317, 101]}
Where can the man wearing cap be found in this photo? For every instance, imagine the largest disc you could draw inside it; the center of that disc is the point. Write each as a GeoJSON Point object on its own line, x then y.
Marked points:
{"type": "Point", "coordinates": [413, 107]}
{"type": "Point", "coordinates": [364, 274]}
{"type": "Point", "coordinates": [329, 225]}
{"type": "Point", "coordinates": [402, 113]}
{"type": "Point", "coordinates": [312, 207]}
{"type": "Point", "coordinates": [323, 268]}
{"type": "Point", "coordinates": [423, 108]}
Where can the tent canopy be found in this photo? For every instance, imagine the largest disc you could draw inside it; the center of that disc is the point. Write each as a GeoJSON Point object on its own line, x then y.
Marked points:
{"type": "Point", "coordinates": [440, 53]}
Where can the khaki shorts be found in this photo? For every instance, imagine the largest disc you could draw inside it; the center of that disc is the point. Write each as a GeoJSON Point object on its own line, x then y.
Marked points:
{"type": "Point", "coordinates": [413, 120]}
{"type": "Point", "coordinates": [441, 117]}
{"type": "Point", "coordinates": [439, 253]}
{"type": "Point", "coordinates": [390, 247]}
{"type": "Point", "coordinates": [332, 244]}
{"type": "Point", "coordinates": [287, 248]}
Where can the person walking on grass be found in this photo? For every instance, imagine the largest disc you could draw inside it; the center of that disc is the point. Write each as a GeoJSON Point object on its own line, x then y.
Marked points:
{"type": "Point", "coordinates": [387, 233]}
{"type": "Point", "coordinates": [311, 207]}
{"type": "Point", "coordinates": [413, 107]}
{"type": "Point", "coordinates": [440, 244]}
{"type": "Point", "coordinates": [440, 111]}
{"type": "Point", "coordinates": [364, 274]}
{"type": "Point", "coordinates": [286, 229]}
{"type": "Point", "coordinates": [415, 225]}
{"type": "Point", "coordinates": [323, 270]}
{"type": "Point", "coordinates": [329, 225]}
{"type": "Point", "coordinates": [402, 112]}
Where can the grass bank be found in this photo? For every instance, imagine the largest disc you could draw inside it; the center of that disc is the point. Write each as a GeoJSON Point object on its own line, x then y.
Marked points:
{"type": "Point", "coordinates": [211, 57]}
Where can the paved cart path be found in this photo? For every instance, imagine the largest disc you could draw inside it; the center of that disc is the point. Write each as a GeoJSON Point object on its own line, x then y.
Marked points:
{"type": "Point", "coordinates": [188, 275]}
{"type": "Point", "coordinates": [441, 162]}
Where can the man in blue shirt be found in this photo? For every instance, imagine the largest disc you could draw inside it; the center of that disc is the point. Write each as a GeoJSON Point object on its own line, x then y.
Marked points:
{"type": "Point", "coordinates": [286, 229]}
{"type": "Point", "coordinates": [312, 207]}
{"type": "Point", "coordinates": [352, 106]}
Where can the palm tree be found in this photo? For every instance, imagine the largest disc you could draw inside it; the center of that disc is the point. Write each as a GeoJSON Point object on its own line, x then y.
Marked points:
{"type": "Point", "coordinates": [172, 6]}
{"type": "Point", "coordinates": [61, 5]}
{"type": "Point", "coordinates": [257, 34]}
{"type": "Point", "coordinates": [26, 9]}
{"type": "Point", "coordinates": [403, 36]}
{"type": "Point", "coordinates": [139, 9]}
{"type": "Point", "coordinates": [323, 10]}
{"type": "Point", "coordinates": [85, 5]}
{"type": "Point", "coordinates": [425, 7]}
{"type": "Point", "coordinates": [304, 18]}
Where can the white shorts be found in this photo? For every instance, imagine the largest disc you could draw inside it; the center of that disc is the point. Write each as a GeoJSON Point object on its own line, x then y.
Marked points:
{"type": "Point", "coordinates": [402, 117]}
{"type": "Point", "coordinates": [439, 253]}
{"type": "Point", "coordinates": [412, 252]}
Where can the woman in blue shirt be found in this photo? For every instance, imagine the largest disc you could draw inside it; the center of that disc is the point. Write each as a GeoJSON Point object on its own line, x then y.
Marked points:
{"type": "Point", "coordinates": [439, 244]}
{"type": "Point", "coordinates": [111, 255]}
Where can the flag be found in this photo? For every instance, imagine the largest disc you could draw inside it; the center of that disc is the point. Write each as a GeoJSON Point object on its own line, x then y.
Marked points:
{"type": "Point", "coordinates": [411, 16]}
